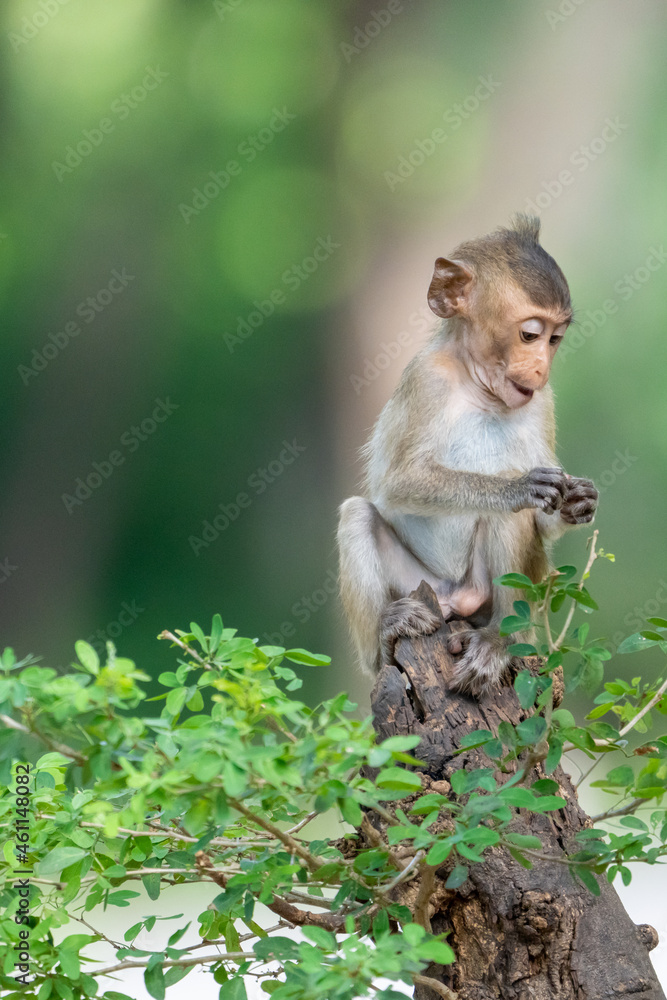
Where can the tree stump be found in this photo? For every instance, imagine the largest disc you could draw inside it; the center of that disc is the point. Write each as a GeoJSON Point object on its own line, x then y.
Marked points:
{"type": "Point", "coordinates": [518, 934]}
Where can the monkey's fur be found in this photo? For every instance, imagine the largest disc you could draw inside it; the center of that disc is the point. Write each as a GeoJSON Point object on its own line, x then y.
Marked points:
{"type": "Point", "coordinates": [462, 483]}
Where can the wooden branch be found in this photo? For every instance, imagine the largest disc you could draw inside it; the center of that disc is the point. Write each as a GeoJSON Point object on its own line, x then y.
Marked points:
{"type": "Point", "coordinates": [517, 932]}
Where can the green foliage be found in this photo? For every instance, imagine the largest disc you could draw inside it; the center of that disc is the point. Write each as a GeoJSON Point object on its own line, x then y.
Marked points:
{"type": "Point", "coordinates": [221, 788]}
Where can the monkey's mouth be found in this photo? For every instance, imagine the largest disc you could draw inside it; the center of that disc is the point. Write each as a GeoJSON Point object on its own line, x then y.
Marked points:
{"type": "Point", "coordinates": [528, 393]}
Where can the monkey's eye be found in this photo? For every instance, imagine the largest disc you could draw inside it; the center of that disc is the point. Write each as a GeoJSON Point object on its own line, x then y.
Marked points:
{"type": "Point", "coordinates": [555, 340]}
{"type": "Point", "coordinates": [531, 329]}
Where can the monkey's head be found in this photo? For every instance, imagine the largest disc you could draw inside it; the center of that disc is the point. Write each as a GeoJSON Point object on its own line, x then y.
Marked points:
{"type": "Point", "coordinates": [509, 306]}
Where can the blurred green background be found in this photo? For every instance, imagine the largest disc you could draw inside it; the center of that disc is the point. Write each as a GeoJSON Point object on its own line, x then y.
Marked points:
{"type": "Point", "coordinates": [233, 208]}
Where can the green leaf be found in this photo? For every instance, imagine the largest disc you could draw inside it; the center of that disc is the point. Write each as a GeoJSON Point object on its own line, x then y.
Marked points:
{"type": "Point", "coordinates": [521, 798]}
{"type": "Point", "coordinates": [324, 939]}
{"type": "Point", "coordinates": [439, 852]}
{"type": "Point", "coordinates": [233, 989]}
{"type": "Point", "coordinates": [517, 580]}
{"type": "Point", "coordinates": [281, 948]}
{"type": "Point", "coordinates": [152, 885]}
{"type": "Point", "coordinates": [216, 633]}
{"type": "Point", "coordinates": [521, 858]}
{"type": "Point", "coordinates": [581, 597]}
{"type": "Point", "coordinates": [437, 951]}
{"type": "Point", "coordinates": [88, 658]}
{"type": "Point", "coordinates": [655, 636]}
{"type": "Point", "coordinates": [351, 811]}
{"type": "Point", "coordinates": [521, 649]}
{"type": "Point", "coordinates": [553, 757]}
{"type": "Point", "coordinates": [525, 686]}
{"type": "Point", "coordinates": [563, 717]}
{"type": "Point", "coordinates": [660, 622]}
{"type": "Point", "coordinates": [545, 786]}
{"type": "Point", "coordinates": [59, 858]}
{"type": "Point", "coordinates": [600, 710]}
{"type": "Point", "coordinates": [457, 877]}
{"type": "Point", "coordinates": [476, 739]}
{"type": "Point", "coordinates": [524, 840]}
{"type": "Point", "coordinates": [532, 730]}
{"type": "Point", "coordinates": [621, 777]}
{"type": "Point", "coordinates": [513, 624]}
{"type": "Point", "coordinates": [588, 878]}
{"type": "Point", "coordinates": [634, 823]}
{"type": "Point", "coordinates": [398, 777]}
{"type": "Point", "coordinates": [154, 980]}
{"type": "Point", "coordinates": [567, 572]}
{"type": "Point", "coordinates": [308, 659]}
{"type": "Point", "coordinates": [634, 644]}
{"type": "Point", "coordinates": [176, 700]}
{"type": "Point", "coordinates": [558, 600]}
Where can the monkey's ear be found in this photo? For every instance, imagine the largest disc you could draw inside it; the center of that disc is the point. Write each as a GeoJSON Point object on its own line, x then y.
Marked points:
{"type": "Point", "coordinates": [449, 286]}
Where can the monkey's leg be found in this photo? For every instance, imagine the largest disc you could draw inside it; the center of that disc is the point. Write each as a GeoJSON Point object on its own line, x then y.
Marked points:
{"type": "Point", "coordinates": [377, 573]}
{"type": "Point", "coordinates": [510, 544]}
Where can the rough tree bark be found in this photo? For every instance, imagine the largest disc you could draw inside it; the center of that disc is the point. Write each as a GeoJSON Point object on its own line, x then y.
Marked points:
{"type": "Point", "coordinates": [518, 934]}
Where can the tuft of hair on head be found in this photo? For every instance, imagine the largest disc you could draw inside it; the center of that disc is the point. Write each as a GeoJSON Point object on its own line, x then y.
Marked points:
{"type": "Point", "coordinates": [527, 227]}
{"type": "Point", "coordinates": [515, 253]}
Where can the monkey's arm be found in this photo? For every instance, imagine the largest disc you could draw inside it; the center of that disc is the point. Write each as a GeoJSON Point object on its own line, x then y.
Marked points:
{"type": "Point", "coordinates": [425, 486]}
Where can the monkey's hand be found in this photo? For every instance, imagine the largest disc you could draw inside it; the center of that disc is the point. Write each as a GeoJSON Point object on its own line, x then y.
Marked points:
{"type": "Point", "coordinates": [545, 489]}
{"type": "Point", "coordinates": [581, 501]}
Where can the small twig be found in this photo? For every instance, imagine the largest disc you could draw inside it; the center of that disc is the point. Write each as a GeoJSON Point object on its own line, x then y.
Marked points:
{"type": "Point", "coordinates": [544, 608]}
{"type": "Point", "coordinates": [647, 708]}
{"type": "Point", "coordinates": [407, 872]}
{"type": "Point", "coordinates": [231, 956]}
{"type": "Point", "coordinates": [304, 822]}
{"type": "Point", "coordinates": [292, 845]}
{"type": "Point", "coordinates": [188, 649]}
{"type": "Point", "coordinates": [592, 556]}
{"type": "Point", "coordinates": [435, 985]}
{"type": "Point", "coordinates": [51, 744]}
{"type": "Point", "coordinates": [624, 811]}
{"type": "Point", "coordinates": [421, 911]}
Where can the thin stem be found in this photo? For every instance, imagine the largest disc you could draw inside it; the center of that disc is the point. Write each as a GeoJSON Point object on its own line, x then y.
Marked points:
{"type": "Point", "coordinates": [231, 956]}
{"type": "Point", "coordinates": [51, 744]}
{"type": "Point", "coordinates": [544, 608]}
{"type": "Point", "coordinates": [435, 985]}
{"type": "Point", "coordinates": [188, 649]}
{"type": "Point", "coordinates": [624, 811]}
{"type": "Point", "coordinates": [592, 556]}
{"type": "Point", "coordinates": [647, 708]}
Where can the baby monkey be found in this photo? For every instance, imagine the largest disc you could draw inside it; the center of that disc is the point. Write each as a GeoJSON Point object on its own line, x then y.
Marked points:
{"type": "Point", "coordinates": [462, 481]}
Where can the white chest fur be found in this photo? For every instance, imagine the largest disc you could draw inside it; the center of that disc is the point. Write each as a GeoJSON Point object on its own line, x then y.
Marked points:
{"type": "Point", "coordinates": [491, 442]}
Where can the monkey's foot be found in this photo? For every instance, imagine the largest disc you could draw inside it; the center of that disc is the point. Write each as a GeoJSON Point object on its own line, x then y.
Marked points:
{"type": "Point", "coordinates": [482, 666]}
{"type": "Point", "coordinates": [405, 617]}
